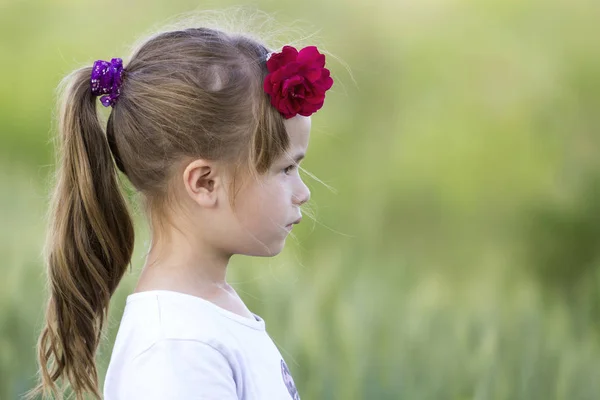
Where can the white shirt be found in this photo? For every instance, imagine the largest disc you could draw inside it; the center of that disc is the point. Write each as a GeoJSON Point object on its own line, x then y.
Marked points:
{"type": "Point", "coordinates": [173, 346]}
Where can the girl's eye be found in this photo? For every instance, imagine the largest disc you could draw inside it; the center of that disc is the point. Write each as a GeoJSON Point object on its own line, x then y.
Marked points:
{"type": "Point", "coordinates": [289, 169]}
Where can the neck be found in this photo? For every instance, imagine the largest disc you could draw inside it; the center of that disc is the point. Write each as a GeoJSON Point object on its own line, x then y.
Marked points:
{"type": "Point", "coordinates": [182, 265]}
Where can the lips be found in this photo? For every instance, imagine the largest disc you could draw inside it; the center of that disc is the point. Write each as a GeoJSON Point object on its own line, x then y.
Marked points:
{"type": "Point", "coordinates": [295, 222]}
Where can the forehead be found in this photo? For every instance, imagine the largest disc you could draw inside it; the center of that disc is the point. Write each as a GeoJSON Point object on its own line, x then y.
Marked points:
{"type": "Point", "coordinates": [298, 129]}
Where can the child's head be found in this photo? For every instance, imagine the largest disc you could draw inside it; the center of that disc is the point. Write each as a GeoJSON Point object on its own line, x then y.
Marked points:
{"type": "Point", "coordinates": [265, 204]}
{"type": "Point", "coordinates": [192, 113]}
{"type": "Point", "coordinates": [209, 128]}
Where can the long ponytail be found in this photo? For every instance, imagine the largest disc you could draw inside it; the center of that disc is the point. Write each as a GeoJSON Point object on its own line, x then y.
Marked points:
{"type": "Point", "coordinates": [89, 244]}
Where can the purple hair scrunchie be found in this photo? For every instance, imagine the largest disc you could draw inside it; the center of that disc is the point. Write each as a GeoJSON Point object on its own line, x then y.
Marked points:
{"type": "Point", "coordinates": [106, 79]}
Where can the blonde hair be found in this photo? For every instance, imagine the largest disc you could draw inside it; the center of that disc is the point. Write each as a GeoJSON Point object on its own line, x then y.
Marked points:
{"type": "Point", "coordinates": [189, 93]}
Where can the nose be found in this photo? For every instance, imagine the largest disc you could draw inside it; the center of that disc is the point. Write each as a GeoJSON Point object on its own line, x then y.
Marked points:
{"type": "Point", "coordinates": [303, 195]}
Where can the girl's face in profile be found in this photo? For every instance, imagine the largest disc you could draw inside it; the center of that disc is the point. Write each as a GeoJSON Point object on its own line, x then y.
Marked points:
{"type": "Point", "coordinates": [267, 208]}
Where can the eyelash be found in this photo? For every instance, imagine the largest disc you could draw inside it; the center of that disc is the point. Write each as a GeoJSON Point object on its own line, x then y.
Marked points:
{"type": "Point", "coordinates": [290, 167]}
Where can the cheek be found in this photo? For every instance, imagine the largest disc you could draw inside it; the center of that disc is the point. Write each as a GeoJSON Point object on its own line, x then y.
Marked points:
{"type": "Point", "coordinates": [251, 203]}
{"type": "Point", "coordinates": [262, 215]}
{"type": "Point", "coordinates": [267, 206]}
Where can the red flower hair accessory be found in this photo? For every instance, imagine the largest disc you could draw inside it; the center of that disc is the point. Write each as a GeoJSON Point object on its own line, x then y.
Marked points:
{"type": "Point", "coordinates": [297, 80]}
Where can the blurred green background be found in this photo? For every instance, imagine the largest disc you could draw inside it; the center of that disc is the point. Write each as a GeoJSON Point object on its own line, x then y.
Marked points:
{"type": "Point", "coordinates": [458, 256]}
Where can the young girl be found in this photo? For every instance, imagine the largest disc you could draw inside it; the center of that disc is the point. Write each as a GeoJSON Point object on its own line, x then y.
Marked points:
{"type": "Point", "coordinates": [209, 127]}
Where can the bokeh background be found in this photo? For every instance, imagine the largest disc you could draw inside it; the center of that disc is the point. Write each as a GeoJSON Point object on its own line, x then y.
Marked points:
{"type": "Point", "coordinates": [455, 253]}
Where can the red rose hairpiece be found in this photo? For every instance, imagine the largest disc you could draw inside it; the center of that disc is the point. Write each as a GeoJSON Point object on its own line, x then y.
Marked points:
{"type": "Point", "coordinates": [297, 80]}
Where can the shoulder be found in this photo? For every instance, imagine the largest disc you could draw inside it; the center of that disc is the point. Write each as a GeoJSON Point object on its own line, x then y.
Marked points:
{"type": "Point", "coordinates": [175, 316]}
{"type": "Point", "coordinates": [174, 368]}
{"type": "Point", "coordinates": [150, 318]}
{"type": "Point", "coordinates": [169, 346]}
{"type": "Point", "coordinates": [172, 353]}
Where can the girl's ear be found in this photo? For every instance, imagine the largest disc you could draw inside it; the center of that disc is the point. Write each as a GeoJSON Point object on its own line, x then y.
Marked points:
{"type": "Point", "coordinates": [201, 182]}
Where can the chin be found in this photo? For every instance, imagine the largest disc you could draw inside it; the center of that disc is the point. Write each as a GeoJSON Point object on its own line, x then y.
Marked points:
{"type": "Point", "coordinates": [267, 251]}
{"type": "Point", "coordinates": [272, 252]}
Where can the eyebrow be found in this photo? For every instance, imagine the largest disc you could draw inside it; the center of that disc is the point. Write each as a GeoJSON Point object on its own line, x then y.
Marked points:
{"type": "Point", "coordinates": [299, 157]}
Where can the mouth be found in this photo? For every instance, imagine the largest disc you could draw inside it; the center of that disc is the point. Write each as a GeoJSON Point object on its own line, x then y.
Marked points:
{"type": "Point", "coordinates": [289, 226]}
